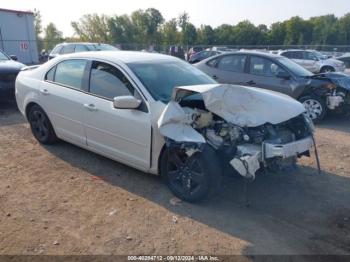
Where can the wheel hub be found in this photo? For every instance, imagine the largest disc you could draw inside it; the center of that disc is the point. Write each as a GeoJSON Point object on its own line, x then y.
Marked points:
{"type": "Point", "coordinates": [313, 108]}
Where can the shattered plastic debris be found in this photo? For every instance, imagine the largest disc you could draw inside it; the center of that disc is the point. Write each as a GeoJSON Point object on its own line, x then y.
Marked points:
{"type": "Point", "coordinates": [246, 166]}
{"type": "Point", "coordinates": [113, 212]}
{"type": "Point", "coordinates": [175, 201]}
{"type": "Point", "coordinates": [175, 123]}
{"type": "Point", "coordinates": [174, 219]}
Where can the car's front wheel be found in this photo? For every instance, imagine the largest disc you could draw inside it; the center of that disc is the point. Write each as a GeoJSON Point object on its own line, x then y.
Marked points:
{"type": "Point", "coordinates": [315, 107]}
{"type": "Point", "coordinates": [191, 178]}
{"type": "Point", "coordinates": [41, 126]}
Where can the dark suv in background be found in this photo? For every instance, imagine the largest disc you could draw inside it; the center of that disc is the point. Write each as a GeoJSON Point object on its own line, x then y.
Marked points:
{"type": "Point", "coordinates": [68, 48]}
{"type": "Point", "coordinates": [9, 69]}
{"type": "Point", "coordinates": [319, 93]}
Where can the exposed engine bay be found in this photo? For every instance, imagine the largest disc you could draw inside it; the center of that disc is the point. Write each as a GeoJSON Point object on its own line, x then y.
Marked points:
{"type": "Point", "coordinates": [336, 90]}
{"type": "Point", "coordinates": [189, 123]}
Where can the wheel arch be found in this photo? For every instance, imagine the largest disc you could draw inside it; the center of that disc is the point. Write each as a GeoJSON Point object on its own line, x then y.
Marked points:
{"type": "Point", "coordinates": [327, 66]}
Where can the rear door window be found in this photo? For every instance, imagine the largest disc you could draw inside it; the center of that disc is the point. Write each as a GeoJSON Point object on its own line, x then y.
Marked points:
{"type": "Point", "coordinates": [233, 63]}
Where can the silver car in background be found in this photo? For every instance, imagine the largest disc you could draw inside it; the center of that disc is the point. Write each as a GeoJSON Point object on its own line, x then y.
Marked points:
{"type": "Point", "coordinates": [314, 61]}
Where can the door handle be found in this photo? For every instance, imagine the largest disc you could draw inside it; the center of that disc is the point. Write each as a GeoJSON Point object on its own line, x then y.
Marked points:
{"type": "Point", "coordinates": [251, 82]}
{"type": "Point", "coordinates": [214, 77]}
{"type": "Point", "coordinates": [45, 92]}
{"type": "Point", "coordinates": [90, 107]}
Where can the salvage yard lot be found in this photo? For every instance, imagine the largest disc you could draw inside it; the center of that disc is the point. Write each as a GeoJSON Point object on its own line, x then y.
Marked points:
{"type": "Point", "coordinates": [61, 199]}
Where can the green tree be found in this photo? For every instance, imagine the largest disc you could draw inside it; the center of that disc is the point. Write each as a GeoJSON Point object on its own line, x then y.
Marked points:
{"type": "Point", "coordinates": [38, 29]}
{"type": "Point", "coordinates": [344, 29]}
{"type": "Point", "coordinates": [147, 24]}
{"type": "Point", "coordinates": [122, 29]}
{"type": "Point", "coordinates": [205, 35]}
{"type": "Point", "coordinates": [92, 27]}
{"type": "Point", "coordinates": [224, 35]}
{"type": "Point", "coordinates": [247, 33]}
{"type": "Point", "coordinates": [298, 31]}
{"type": "Point", "coordinates": [277, 33]}
{"type": "Point", "coordinates": [170, 34]}
{"type": "Point", "coordinates": [188, 30]}
{"type": "Point", "coordinates": [52, 36]}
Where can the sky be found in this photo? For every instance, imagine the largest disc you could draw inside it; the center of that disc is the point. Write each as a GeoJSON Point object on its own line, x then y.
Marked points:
{"type": "Point", "coordinates": [212, 12]}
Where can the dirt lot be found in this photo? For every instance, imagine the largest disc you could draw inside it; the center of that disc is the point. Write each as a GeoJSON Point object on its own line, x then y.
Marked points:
{"type": "Point", "coordinates": [64, 200]}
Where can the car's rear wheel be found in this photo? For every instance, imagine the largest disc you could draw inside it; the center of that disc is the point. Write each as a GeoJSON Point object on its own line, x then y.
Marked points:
{"type": "Point", "coordinates": [41, 126]}
{"type": "Point", "coordinates": [191, 178]}
{"type": "Point", "coordinates": [327, 69]}
{"type": "Point", "coordinates": [315, 107]}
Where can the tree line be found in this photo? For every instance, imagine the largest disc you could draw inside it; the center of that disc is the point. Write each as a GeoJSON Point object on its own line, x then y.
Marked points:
{"type": "Point", "coordinates": [148, 27]}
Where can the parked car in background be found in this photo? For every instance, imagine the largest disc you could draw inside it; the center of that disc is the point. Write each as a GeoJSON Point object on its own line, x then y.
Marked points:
{"type": "Point", "coordinates": [318, 93]}
{"type": "Point", "coordinates": [68, 48]}
{"type": "Point", "coordinates": [314, 61]}
{"type": "Point", "coordinates": [161, 115]}
{"type": "Point", "coordinates": [345, 59]}
{"type": "Point", "coordinates": [221, 49]}
{"type": "Point", "coordinates": [192, 51]}
{"type": "Point", "coordinates": [177, 51]}
{"type": "Point", "coordinates": [9, 69]}
{"type": "Point", "coordinates": [201, 56]}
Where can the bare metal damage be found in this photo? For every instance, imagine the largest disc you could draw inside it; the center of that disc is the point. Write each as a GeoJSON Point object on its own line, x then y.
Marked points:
{"type": "Point", "coordinates": [238, 108]}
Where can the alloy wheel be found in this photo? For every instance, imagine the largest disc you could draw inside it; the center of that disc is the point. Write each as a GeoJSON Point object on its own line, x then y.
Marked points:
{"type": "Point", "coordinates": [39, 124]}
{"type": "Point", "coordinates": [313, 108]}
{"type": "Point", "coordinates": [185, 173]}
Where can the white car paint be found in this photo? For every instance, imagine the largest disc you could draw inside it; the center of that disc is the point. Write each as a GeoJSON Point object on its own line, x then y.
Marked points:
{"type": "Point", "coordinates": [96, 130]}
{"type": "Point", "coordinates": [130, 136]}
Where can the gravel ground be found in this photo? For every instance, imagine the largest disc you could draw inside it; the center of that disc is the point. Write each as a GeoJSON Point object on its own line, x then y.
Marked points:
{"type": "Point", "coordinates": [61, 199]}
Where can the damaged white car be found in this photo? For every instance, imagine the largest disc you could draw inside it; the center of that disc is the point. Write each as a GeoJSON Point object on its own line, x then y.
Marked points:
{"type": "Point", "coordinates": [161, 115]}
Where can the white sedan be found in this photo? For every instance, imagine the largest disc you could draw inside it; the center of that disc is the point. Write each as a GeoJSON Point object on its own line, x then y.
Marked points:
{"type": "Point", "coordinates": [160, 115]}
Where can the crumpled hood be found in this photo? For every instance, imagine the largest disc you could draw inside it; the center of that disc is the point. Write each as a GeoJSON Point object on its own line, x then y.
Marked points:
{"type": "Point", "coordinates": [340, 79]}
{"type": "Point", "coordinates": [244, 106]}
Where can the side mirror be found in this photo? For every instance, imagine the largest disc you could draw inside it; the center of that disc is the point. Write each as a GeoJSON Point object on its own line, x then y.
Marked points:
{"type": "Point", "coordinates": [283, 74]}
{"type": "Point", "coordinates": [126, 102]}
{"type": "Point", "coordinates": [13, 57]}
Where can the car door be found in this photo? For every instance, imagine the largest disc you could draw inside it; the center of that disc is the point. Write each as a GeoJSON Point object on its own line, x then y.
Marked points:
{"type": "Point", "coordinates": [121, 134]}
{"type": "Point", "coordinates": [229, 69]}
{"type": "Point", "coordinates": [310, 61]}
{"type": "Point", "coordinates": [62, 95]}
{"type": "Point", "coordinates": [263, 74]}
{"type": "Point", "coordinates": [297, 57]}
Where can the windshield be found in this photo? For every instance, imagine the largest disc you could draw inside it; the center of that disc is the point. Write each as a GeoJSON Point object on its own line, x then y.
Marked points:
{"type": "Point", "coordinates": [160, 78]}
{"type": "Point", "coordinates": [296, 69]}
{"type": "Point", "coordinates": [3, 56]}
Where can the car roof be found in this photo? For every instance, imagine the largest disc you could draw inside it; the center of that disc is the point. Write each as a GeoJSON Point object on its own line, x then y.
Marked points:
{"type": "Point", "coordinates": [123, 56]}
{"type": "Point", "coordinates": [259, 53]}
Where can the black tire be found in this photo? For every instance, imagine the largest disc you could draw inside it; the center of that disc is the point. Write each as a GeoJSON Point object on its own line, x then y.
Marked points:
{"type": "Point", "coordinates": [327, 69]}
{"type": "Point", "coordinates": [193, 178]}
{"type": "Point", "coordinates": [315, 107]}
{"type": "Point", "coordinates": [41, 126]}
